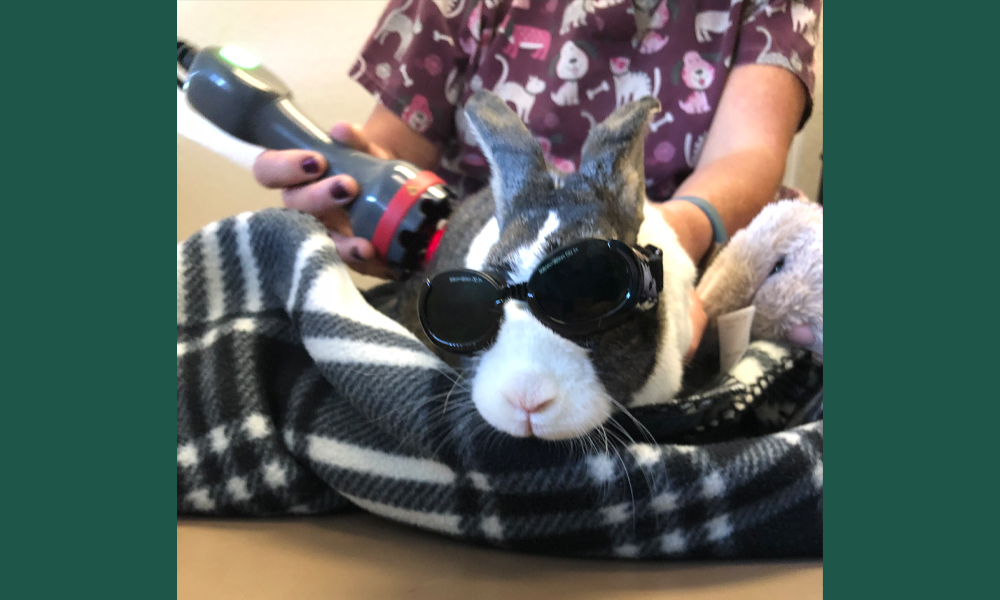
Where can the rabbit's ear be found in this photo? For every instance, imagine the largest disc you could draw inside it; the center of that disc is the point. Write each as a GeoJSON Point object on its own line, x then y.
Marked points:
{"type": "Point", "coordinates": [612, 156]}
{"type": "Point", "coordinates": [517, 166]}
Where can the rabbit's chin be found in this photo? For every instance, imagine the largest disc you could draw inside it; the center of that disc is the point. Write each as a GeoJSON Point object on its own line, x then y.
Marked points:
{"type": "Point", "coordinates": [532, 382]}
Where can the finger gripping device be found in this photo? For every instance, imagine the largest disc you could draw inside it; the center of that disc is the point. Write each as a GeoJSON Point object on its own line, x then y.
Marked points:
{"type": "Point", "coordinates": [400, 208]}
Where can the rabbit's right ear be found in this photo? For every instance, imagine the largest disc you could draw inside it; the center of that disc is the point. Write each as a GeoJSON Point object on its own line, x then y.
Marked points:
{"type": "Point", "coordinates": [517, 166]}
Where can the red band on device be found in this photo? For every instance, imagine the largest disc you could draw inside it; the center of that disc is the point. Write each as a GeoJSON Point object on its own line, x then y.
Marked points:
{"type": "Point", "coordinates": [398, 207]}
{"type": "Point", "coordinates": [433, 246]}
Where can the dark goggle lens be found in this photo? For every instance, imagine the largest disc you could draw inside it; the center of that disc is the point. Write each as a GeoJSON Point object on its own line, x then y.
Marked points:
{"type": "Point", "coordinates": [580, 283]}
{"type": "Point", "coordinates": [460, 308]}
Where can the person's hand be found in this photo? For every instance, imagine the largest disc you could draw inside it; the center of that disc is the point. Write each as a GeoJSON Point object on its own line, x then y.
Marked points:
{"type": "Point", "coordinates": [295, 173]}
{"type": "Point", "coordinates": [699, 321]}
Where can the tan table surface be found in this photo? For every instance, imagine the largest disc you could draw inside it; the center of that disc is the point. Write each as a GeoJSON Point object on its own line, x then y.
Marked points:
{"type": "Point", "coordinates": [360, 556]}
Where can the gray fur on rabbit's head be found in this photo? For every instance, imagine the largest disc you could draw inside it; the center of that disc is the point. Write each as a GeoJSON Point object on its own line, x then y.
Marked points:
{"type": "Point", "coordinates": [532, 381]}
{"type": "Point", "coordinates": [775, 264]}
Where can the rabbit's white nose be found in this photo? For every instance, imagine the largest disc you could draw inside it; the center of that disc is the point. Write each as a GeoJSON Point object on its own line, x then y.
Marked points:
{"type": "Point", "coordinates": [531, 393]}
{"type": "Point", "coordinates": [531, 403]}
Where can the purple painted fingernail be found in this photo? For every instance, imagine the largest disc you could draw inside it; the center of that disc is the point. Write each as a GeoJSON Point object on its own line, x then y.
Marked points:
{"type": "Point", "coordinates": [339, 191]}
{"type": "Point", "coordinates": [310, 165]}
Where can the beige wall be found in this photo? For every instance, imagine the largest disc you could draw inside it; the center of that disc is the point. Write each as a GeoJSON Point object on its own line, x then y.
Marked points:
{"type": "Point", "coordinates": [803, 168]}
{"type": "Point", "coordinates": [312, 45]}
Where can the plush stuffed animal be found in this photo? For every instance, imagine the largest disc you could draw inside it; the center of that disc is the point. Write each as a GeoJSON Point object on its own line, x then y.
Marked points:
{"type": "Point", "coordinates": [776, 265]}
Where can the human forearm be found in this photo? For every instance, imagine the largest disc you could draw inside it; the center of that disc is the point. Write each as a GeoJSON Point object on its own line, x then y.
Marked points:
{"type": "Point", "coordinates": [741, 165]}
{"type": "Point", "coordinates": [738, 186]}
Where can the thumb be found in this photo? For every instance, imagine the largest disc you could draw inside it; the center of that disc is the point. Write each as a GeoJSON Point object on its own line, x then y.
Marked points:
{"type": "Point", "coordinates": [352, 136]}
{"type": "Point", "coordinates": [699, 322]}
{"type": "Point", "coordinates": [353, 249]}
{"type": "Point", "coordinates": [360, 255]}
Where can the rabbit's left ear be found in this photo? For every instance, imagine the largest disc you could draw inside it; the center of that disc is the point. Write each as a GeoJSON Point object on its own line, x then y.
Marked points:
{"type": "Point", "coordinates": [612, 156]}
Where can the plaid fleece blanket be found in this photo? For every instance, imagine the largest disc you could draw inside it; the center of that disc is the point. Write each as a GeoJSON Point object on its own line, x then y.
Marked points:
{"type": "Point", "coordinates": [294, 395]}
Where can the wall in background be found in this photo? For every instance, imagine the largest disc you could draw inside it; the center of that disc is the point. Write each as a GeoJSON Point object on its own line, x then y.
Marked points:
{"type": "Point", "coordinates": [803, 168]}
{"type": "Point", "coordinates": [312, 45]}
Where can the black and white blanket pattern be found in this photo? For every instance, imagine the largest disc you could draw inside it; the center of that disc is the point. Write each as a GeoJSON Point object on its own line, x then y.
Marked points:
{"type": "Point", "coordinates": [294, 395]}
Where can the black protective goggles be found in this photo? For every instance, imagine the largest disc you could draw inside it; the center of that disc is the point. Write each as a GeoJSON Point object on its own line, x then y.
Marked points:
{"type": "Point", "coordinates": [576, 291]}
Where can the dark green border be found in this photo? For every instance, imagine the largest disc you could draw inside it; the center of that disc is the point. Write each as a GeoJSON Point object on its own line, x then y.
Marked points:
{"type": "Point", "coordinates": [910, 205]}
{"type": "Point", "coordinates": [89, 238]}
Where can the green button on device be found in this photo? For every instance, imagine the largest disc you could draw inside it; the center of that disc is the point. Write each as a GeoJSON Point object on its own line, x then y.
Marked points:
{"type": "Point", "coordinates": [239, 57]}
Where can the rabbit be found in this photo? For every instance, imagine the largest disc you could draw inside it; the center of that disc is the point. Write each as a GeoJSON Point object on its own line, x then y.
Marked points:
{"type": "Point", "coordinates": [775, 264]}
{"type": "Point", "coordinates": [532, 381]}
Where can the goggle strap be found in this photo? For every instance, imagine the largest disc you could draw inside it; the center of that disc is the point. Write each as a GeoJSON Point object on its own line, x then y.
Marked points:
{"type": "Point", "coordinates": [654, 260]}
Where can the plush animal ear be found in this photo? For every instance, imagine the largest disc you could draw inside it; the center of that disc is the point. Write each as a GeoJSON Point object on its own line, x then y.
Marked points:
{"type": "Point", "coordinates": [517, 166]}
{"type": "Point", "coordinates": [612, 155]}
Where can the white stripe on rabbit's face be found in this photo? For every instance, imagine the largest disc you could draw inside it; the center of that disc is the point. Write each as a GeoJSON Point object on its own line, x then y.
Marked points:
{"type": "Point", "coordinates": [481, 245]}
{"type": "Point", "coordinates": [532, 381]}
{"type": "Point", "coordinates": [528, 258]}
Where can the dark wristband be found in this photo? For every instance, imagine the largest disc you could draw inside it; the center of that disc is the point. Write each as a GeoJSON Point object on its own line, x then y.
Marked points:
{"type": "Point", "coordinates": [719, 235]}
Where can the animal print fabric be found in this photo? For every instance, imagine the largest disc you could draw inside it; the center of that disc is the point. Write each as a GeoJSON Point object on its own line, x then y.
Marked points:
{"type": "Point", "coordinates": [295, 396]}
{"type": "Point", "coordinates": [565, 65]}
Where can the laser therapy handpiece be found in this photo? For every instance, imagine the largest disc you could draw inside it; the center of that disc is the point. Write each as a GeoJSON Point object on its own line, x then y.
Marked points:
{"type": "Point", "coordinates": [400, 206]}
